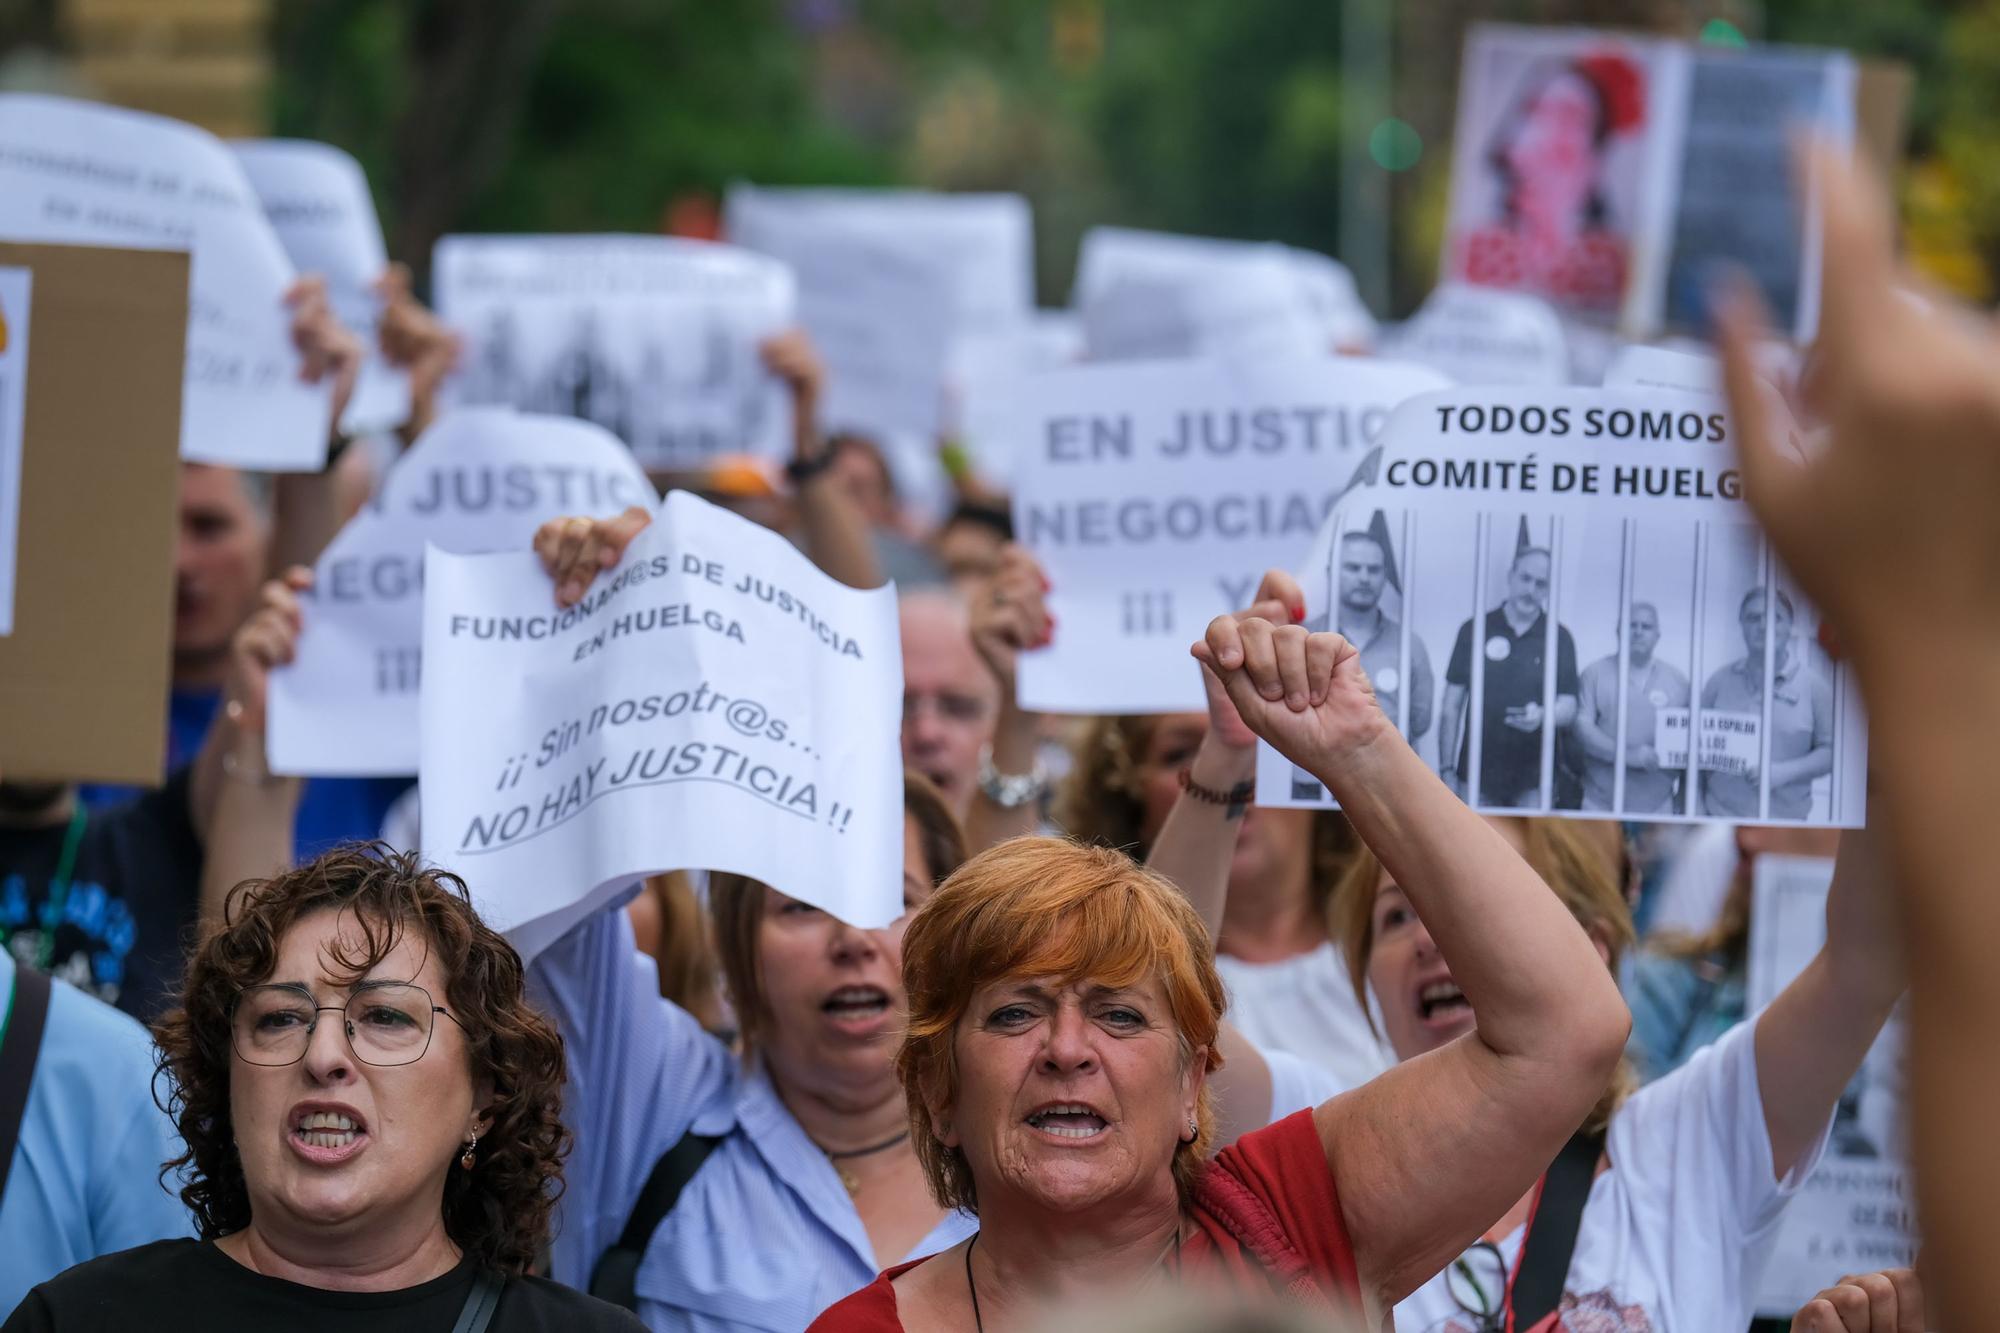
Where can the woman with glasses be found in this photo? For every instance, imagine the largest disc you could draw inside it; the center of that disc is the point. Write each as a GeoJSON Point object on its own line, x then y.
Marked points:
{"type": "Point", "coordinates": [371, 1116]}
{"type": "Point", "coordinates": [1661, 1211]}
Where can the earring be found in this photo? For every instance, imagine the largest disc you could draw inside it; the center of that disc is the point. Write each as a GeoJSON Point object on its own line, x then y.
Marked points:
{"type": "Point", "coordinates": [1194, 1129]}
{"type": "Point", "coordinates": [465, 1158]}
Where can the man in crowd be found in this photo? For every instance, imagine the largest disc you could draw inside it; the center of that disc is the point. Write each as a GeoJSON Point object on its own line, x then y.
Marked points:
{"type": "Point", "coordinates": [1650, 685]}
{"type": "Point", "coordinates": [1514, 641]}
{"type": "Point", "coordinates": [1801, 703]}
{"type": "Point", "coordinates": [951, 702]}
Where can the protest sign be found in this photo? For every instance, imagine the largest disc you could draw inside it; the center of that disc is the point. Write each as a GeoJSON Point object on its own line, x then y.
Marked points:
{"type": "Point", "coordinates": [988, 374]}
{"type": "Point", "coordinates": [1483, 335]}
{"type": "Point", "coordinates": [882, 316]}
{"type": "Point", "coordinates": [1143, 295]}
{"type": "Point", "coordinates": [16, 295]}
{"type": "Point", "coordinates": [97, 505]}
{"type": "Point", "coordinates": [1582, 562]}
{"type": "Point", "coordinates": [480, 479]}
{"type": "Point", "coordinates": [654, 338]}
{"type": "Point", "coordinates": [1736, 199]}
{"type": "Point", "coordinates": [76, 173]}
{"type": "Point", "coordinates": [1856, 1212]}
{"type": "Point", "coordinates": [1155, 494]}
{"type": "Point", "coordinates": [1562, 176]}
{"type": "Point", "coordinates": [317, 200]}
{"type": "Point", "coordinates": [714, 702]}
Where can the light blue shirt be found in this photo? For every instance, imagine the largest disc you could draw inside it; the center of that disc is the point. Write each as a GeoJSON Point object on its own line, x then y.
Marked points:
{"type": "Point", "coordinates": [85, 1177]}
{"type": "Point", "coordinates": [765, 1236]}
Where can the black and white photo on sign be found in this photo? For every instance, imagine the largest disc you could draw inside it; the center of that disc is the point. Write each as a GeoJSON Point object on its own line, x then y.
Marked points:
{"type": "Point", "coordinates": [1363, 597]}
{"type": "Point", "coordinates": [1856, 1211]}
{"type": "Point", "coordinates": [656, 339]}
{"type": "Point", "coordinates": [1579, 574]}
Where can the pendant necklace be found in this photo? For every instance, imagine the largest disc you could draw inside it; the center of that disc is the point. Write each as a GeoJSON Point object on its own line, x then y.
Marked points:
{"type": "Point", "coordinates": [848, 1178]}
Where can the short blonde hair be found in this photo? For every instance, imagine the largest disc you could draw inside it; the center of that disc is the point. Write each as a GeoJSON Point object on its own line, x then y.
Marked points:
{"type": "Point", "coordinates": [1047, 907]}
{"type": "Point", "coordinates": [1579, 867]}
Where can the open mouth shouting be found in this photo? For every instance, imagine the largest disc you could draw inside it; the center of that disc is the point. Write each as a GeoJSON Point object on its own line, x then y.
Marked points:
{"type": "Point", "coordinates": [1442, 1003]}
{"type": "Point", "coordinates": [1068, 1120]}
{"type": "Point", "coordinates": [857, 1008]}
{"type": "Point", "coordinates": [326, 1133]}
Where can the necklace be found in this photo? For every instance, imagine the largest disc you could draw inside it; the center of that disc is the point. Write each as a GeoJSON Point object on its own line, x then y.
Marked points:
{"type": "Point", "coordinates": [972, 1287]}
{"type": "Point", "coordinates": [848, 1178]}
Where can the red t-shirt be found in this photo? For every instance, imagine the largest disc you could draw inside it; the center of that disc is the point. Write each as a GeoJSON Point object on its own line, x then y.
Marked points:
{"type": "Point", "coordinates": [1266, 1220]}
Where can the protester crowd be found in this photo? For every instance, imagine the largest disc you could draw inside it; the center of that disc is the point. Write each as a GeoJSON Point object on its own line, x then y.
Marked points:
{"type": "Point", "coordinates": [1130, 1029]}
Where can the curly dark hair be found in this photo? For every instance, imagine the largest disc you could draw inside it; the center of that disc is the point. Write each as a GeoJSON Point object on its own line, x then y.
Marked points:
{"type": "Point", "coordinates": [498, 1212]}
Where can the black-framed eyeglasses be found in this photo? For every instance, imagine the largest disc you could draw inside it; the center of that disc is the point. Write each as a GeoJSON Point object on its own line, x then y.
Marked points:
{"type": "Point", "coordinates": [387, 1022]}
{"type": "Point", "coordinates": [1477, 1280]}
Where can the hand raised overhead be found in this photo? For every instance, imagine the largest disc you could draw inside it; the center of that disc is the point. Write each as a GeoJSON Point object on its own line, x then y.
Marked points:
{"type": "Point", "coordinates": [1303, 692]}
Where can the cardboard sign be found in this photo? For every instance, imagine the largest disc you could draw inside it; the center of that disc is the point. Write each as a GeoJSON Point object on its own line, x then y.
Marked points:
{"type": "Point", "coordinates": [1542, 541]}
{"type": "Point", "coordinates": [83, 676]}
{"type": "Point", "coordinates": [1856, 1213]}
{"type": "Point", "coordinates": [654, 338]}
{"type": "Point", "coordinates": [317, 200]}
{"type": "Point", "coordinates": [1155, 495]}
{"type": "Point", "coordinates": [76, 173]}
{"type": "Point", "coordinates": [16, 309]}
{"type": "Point", "coordinates": [480, 479]}
{"type": "Point", "coordinates": [714, 702]}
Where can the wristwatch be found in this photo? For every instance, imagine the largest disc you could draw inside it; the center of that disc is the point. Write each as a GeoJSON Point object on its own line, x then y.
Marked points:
{"type": "Point", "coordinates": [1010, 791]}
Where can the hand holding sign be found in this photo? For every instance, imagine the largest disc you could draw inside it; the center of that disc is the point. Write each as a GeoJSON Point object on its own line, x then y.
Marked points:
{"type": "Point", "coordinates": [416, 341]}
{"type": "Point", "coordinates": [793, 359]}
{"type": "Point", "coordinates": [1891, 1301]}
{"type": "Point", "coordinates": [328, 350]}
{"type": "Point", "coordinates": [270, 638]}
{"type": "Point", "coordinates": [1304, 693]}
{"type": "Point", "coordinates": [1010, 615]}
{"type": "Point", "coordinates": [574, 550]}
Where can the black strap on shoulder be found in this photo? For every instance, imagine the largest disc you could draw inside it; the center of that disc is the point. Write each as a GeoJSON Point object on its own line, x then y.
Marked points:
{"type": "Point", "coordinates": [480, 1303]}
{"type": "Point", "coordinates": [616, 1275]}
{"type": "Point", "coordinates": [1551, 1241]}
{"type": "Point", "coordinates": [26, 1015]}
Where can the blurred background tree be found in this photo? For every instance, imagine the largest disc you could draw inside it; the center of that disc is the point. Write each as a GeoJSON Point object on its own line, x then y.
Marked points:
{"type": "Point", "coordinates": [1226, 119]}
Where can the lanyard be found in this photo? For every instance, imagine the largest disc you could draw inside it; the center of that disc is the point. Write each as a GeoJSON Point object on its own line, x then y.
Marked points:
{"type": "Point", "coordinates": [59, 886]}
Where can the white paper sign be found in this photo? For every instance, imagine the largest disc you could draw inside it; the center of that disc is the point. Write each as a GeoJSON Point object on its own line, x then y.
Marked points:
{"type": "Point", "coordinates": [990, 372]}
{"type": "Point", "coordinates": [1483, 335]}
{"type": "Point", "coordinates": [480, 479]}
{"type": "Point", "coordinates": [16, 293]}
{"type": "Point", "coordinates": [317, 200]}
{"type": "Point", "coordinates": [1856, 1213]}
{"type": "Point", "coordinates": [654, 338]}
{"type": "Point", "coordinates": [1155, 495]}
{"type": "Point", "coordinates": [1580, 568]}
{"type": "Point", "coordinates": [1150, 295]}
{"type": "Point", "coordinates": [714, 702]}
{"type": "Point", "coordinates": [75, 173]}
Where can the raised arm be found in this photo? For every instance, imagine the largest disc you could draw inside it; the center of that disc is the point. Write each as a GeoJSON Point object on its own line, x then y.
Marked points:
{"type": "Point", "coordinates": [1815, 1034]}
{"type": "Point", "coordinates": [415, 341]}
{"type": "Point", "coordinates": [1428, 1154]}
{"type": "Point", "coordinates": [1009, 616]}
{"type": "Point", "coordinates": [243, 811]}
{"type": "Point", "coordinates": [1910, 400]}
{"type": "Point", "coordinates": [834, 530]}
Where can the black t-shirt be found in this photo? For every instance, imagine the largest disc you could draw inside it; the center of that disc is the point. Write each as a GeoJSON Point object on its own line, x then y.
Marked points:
{"type": "Point", "coordinates": [1515, 675]}
{"type": "Point", "coordinates": [134, 892]}
{"type": "Point", "coordinates": [188, 1286]}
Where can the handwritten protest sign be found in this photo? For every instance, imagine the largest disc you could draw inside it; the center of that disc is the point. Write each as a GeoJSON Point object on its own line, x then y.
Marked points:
{"type": "Point", "coordinates": [480, 479]}
{"type": "Point", "coordinates": [317, 200]}
{"type": "Point", "coordinates": [1582, 562]}
{"type": "Point", "coordinates": [651, 337]}
{"type": "Point", "coordinates": [16, 293]}
{"type": "Point", "coordinates": [1143, 295]}
{"type": "Point", "coordinates": [1483, 335]}
{"type": "Point", "coordinates": [76, 173]}
{"type": "Point", "coordinates": [1856, 1212]}
{"type": "Point", "coordinates": [714, 701]}
{"type": "Point", "coordinates": [1156, 493]}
